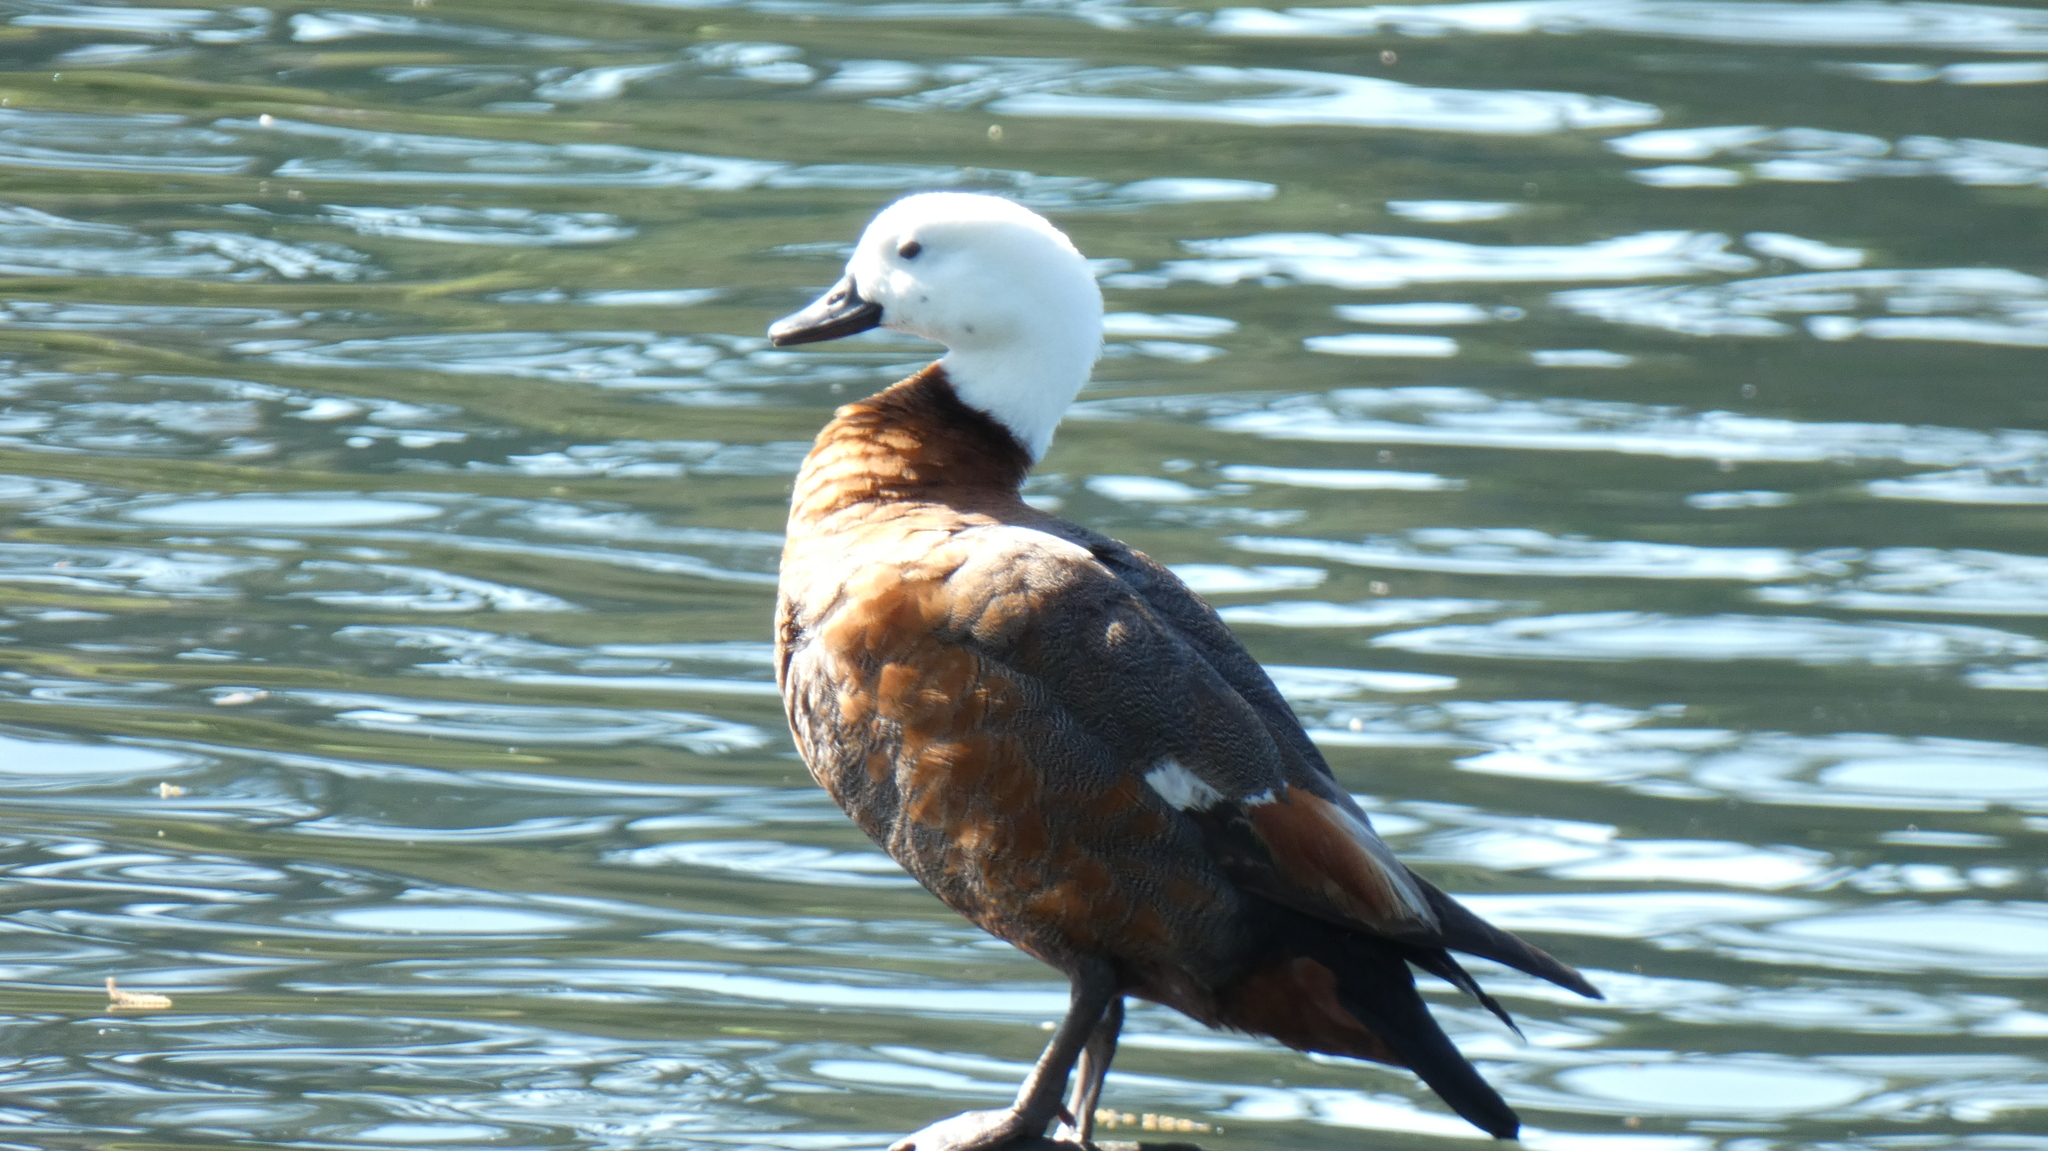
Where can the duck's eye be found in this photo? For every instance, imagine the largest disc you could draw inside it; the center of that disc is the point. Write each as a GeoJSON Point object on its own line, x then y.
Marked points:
{"type": "Point", "coordinates": [910, 249]}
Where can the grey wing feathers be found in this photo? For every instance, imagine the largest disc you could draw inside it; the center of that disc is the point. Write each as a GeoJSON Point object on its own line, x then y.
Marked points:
{"type": "Point", "coordinates": [1198, 624]}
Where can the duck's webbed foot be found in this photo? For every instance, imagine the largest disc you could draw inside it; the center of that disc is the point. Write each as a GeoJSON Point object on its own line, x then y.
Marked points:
{"type": "Point", "coordinates": [972, 1131]}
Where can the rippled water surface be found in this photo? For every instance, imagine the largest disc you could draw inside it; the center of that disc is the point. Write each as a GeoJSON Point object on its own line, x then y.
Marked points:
{"type": "Point", "coordinates": [1618, 424]}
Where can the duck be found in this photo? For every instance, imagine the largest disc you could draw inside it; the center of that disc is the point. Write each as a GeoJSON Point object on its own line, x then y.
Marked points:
{"type": "Point", "coordinates": [1054, 734]}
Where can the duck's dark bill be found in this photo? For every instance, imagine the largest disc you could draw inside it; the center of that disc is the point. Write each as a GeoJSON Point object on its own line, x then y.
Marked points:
{"type": "Point", "coordinates": [839, 312]}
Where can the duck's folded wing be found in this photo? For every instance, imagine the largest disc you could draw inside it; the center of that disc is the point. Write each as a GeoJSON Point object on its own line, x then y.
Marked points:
{"type": "Point", "coordinates": [1197, 624]}
{"type": "Point", "coordinates": [1189, 712]}
{"type": "Point", "coordinates": [1150, 670]}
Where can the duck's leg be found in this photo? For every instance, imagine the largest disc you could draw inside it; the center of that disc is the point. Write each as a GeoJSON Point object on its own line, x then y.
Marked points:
{"type": "Point", "coordinates": [1038, 1100]}
{"type": "Point", "coordinates": [1089, 1074]}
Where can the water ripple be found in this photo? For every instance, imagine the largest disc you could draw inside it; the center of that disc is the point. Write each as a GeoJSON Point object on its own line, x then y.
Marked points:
{"type": "Point", "coordinates": [86, 315]}
{"type": "Point", "coordinates": [168, 144]}
{"type": "Point", "coordinates": [1851, 769]}
{"type": "Point", "coordinates": [1270, 97]}
{"type": "Point", "coordinates": [1965, 305]}
{"type": "Point", "coordinates": [1365, 613]}
{"type": "Point", "coordinates": [1751, 1087]}
{"type": "Point", "coordinates": [613, 359]}
{"type": "Point", "coordinates": [1999, 940]}
{"type": "Point", "coordinates": [2023, 481]}
{"type": "Point", "coordinates": [526, 724]}
{"type": "Point", "coordinates": [1341, 479]}
{"type": "Point", "coordinates": [201, 25]}
{"type": "Point", "coordinates": [1305, 684]}
{"type": "Point", "coordinates": [311, 510]}
{"type": "Point", "coordinates": [1973, 73]}
{"type": "Point", "coordinates": [1230, 579]}
{"type": "Point", "coordinates": [700, 370]}
{"type": "Point", "coordinates": [53, 764]}
{"type": "Point", "coordinates": [1815, 156]}
{"type": "Point", "coordinates": [1466, 417]}
{"type": "Point", "coordinates": [1638, 635]}
{"type": "Point", "coordinates": [176, 574]}
{"type": "Point", "coordinates": [1679, 861]}
{"type": "Point", "coordinates": [325, 1078]}
{"type": "Point", "coordinates": [773, 860]}
{"type": "Point", "coordinates": [168, 415]}
{"type": "Point", "coordinates": [417, 659]}
{"type": "Point", "coordinates": [354, 155]}
{"type": "Point", "coordinates": [1359, 262]}
{"type": "Point", "coordinates": [1528, 552]}
{"type": "Point", "coordinates": [95, 141]}
{"type": "Point", "coordinates": [400, 587]}
{"type": "Point", "coordinates": [448, 523]}
{"type": "Point", "coordinates": [313, 28]}
{"type": "Point", "coordinates": [1961, 581]}
{"type": "Point", "coordinates": [1844, 23]}
{"type": "Point", "coordinates": [484, 655]}
{"type": "Point", "coordinates": [516, 227]}
{"type": "Point", "coordinates": [38, 243]}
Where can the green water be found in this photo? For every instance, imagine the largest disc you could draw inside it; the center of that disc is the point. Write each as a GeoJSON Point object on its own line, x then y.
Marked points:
{"type": "Point", "coordinates": [392, 468]}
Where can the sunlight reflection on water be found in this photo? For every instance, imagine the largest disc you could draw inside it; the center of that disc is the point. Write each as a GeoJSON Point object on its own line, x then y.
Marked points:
{"type": "Point", "coordinates": [395, 471]}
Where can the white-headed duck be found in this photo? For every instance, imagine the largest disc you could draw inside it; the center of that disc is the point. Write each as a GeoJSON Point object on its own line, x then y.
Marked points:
{"type": "Point", "coordinates": [1050, 731]}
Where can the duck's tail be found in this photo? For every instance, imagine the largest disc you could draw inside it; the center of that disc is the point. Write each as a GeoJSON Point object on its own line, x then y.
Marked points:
{"type": "Point", "coordinates": [1378, 989]}
{"type": "Point", "coordinates": [1459, 929]}
{"type": "Point", "coordinates": [1339, 992]}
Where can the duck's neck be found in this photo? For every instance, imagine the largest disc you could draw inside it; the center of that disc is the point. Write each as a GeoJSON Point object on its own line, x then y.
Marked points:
{"type": "Point", "coordinates": [915, 441]}
{"type": "Point", "coordinates": [1024, 389]}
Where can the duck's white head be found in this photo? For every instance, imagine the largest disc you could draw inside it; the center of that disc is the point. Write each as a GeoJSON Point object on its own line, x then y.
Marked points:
{"type": "Point", "coordinates": [1005, 291]}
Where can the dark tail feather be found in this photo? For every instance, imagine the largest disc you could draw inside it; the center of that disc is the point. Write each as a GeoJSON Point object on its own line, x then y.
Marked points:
{"type": "Point", "coordinates": [1375, 985]}
{"type": "Point", "coordinates": [1439, 963]}
{"type": "Point", "coordinates": [1464, 931]}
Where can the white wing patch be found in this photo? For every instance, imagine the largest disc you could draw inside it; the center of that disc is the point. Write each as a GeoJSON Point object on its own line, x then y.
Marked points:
{"type": "Point", "coordinates": [1181, 787]}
